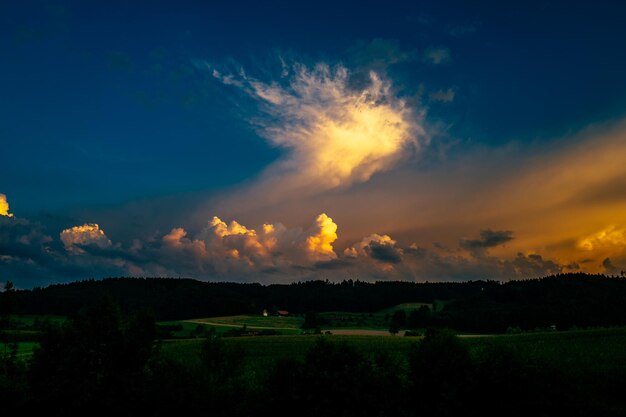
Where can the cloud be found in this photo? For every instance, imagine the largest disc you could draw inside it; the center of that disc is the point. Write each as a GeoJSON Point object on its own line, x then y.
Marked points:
{"type": "Point", "coordinates": [609, 267]}
{"type": "Point", "coordinates": [534, 266]}
{"type": "Point", "coordinates": [87, 234]}
{"type": "Point", "coordinates": [443, 96]}
{"type": "Point", "coordinates": [4, 206]}
{"type": "Point", "coordinates": [610, 237]}
{"type": "Point", "coordinates": [321, 236]}
{"type": "Point", "coordinates": [268, 253]}
{"type": "Point", "coordinates": [488, 239]}
{"type": "Point", "coordinates": [316, 115]}
{"type": "Point", "coordinates": [232, 248]}
{"type": "Point", "coordinates": [384, 252]}
{"type": "Point", "coordinates": [381, 257]}
{"type": "Point", "coordinates": [377, 247]}
{"type": "Point", "coordinates": [437, 56]}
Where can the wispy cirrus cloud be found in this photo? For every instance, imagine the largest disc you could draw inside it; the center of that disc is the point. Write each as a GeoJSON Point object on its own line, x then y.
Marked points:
{"type": "Point", "coordinates": [333, 135]}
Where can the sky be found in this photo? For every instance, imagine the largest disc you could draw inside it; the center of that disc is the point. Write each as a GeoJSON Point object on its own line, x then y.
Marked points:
{"type": "Point", "coordinates": [281, 142]}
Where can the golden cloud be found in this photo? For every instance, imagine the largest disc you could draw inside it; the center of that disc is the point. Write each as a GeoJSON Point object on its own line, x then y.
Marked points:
{"type": "Point", "coordinates": [4, 206]}
{"type": "Point", "coordinates": [334, 135]}
{"type": "Point", "coordinates": [233, 247]}
{"type": "Point", "coordinates": [322, 235]}
{"type": "Point", "coordinates": [609, 238]}
{"type": "Point", "coordinates": [87, 234]}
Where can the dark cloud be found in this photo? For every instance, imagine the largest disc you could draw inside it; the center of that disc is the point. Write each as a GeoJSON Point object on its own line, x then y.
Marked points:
{"type": "Point", "coordinates": [334, 264]}
{"type": "Point", "coordinates": [384, 252]}
{"type": "Point", "coordinates": [488, 239]}
{"type": "Point", "coordinates": [609, 267]}
{"type": "Point", "coordinates": [534, 266]}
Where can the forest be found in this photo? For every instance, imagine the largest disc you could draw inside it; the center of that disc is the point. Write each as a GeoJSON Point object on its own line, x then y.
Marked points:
{"type": "Point", "coordinates": [563, 301]}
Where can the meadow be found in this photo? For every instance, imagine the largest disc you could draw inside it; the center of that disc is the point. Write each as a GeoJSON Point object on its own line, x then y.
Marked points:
{"type": "Point", "coordinates": [592, 361]}
{"type": "Point", "coordinates": [593, 350]}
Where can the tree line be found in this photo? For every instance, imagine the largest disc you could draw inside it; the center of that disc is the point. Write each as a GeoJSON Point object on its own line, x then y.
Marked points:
{"type": "Point", "coordinates": [563, 301]}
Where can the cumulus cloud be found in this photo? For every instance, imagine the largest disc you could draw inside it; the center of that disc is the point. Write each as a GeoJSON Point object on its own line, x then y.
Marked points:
{"type": "Point", "coordinates": [378, 247]}
{"type": "Point", "coordinates": [334, 135]}
{"type": "Point", "coordinates": [227, 248]}
{"type": "Point", "coordinates": [4, 206]}
{"type": "Point", "coordinates": [384, 252]}
{"type": "Point", "coordinates": [383, 258]}
{"type": "Point", "coordinates": [268, 253]}
{"type": "Point", "coordinates": [609, 268]}
{"type": "Point", "coordinates": [88, 234]}
{"type": "Point", "coordinates": [437, 55]}
{"type": "Point", "coordinates": [322, 234]}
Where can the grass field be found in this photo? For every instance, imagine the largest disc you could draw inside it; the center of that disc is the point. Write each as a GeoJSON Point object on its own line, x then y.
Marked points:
{"type": "Point", "coordinates": [595, 358]}
{"type": "Point", "coordinates": [221, 325]}
{"type": "Point", "coordinates": [255, 321]}
{"type": "Point", "coordinates": [289, 325]}
{"type": "Point", "coordinates": [30, 321]}
{"type": "Point", "coordinates": [573, 351]}
{"type": "Point", "coordinates": [24, 349]}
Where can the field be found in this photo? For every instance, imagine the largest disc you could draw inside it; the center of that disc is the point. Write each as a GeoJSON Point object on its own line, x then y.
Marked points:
{"type": "Point", "coordinates": [599, 350]}
{"type": "Point", "coordinates": [579, 352]}
{"type": "Point", "coordinates": [337, 322]}
{"type": "Point", "coordinates": [595, 359]}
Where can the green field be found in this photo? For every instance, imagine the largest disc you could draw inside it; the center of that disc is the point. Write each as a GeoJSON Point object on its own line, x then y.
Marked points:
{"type": "Point", "coordinates": [595, 358]}
{"type": "Point", "coordinates": [290, 325]}
{"type": "Point", "coordinates": [575, 352]}
{"type": "Point", "coordinates": [221, 325]}
{"type": "Point", "coordinates": [34, 321]}
{"type": "Point", "coordinates": [24, 349]}
{"type": "Point", "coordinates": [255, 321]}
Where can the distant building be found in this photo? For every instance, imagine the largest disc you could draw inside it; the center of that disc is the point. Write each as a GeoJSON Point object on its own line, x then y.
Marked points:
{"type": "Point", "coordinates": [282, 312]}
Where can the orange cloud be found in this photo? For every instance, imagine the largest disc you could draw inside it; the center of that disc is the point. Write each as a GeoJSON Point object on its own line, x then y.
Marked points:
{"type": "Point", "coordinates": [322, 235]}
{"type": "Point", "coordinates": [87, 234]}
{"type": "Point", "coordinates": [609, 238]}
{"type": "Point", "coordinates": [4, 206]}
{"type": "Point", "coordinates": [334, 135]}
{"type": "Point", "coordinates": [233, 247]}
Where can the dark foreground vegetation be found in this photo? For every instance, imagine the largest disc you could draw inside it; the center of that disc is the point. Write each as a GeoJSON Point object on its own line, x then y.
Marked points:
{"type": "Point", "coordinates": [105, 362]}
{"type": "Point", "coordinates": [562, 301]}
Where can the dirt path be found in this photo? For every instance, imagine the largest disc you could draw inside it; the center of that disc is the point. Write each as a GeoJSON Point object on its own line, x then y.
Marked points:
{"type": "Point", "coordinates": [339, 332]}
{"type": "Point", "coordinates": [359, 332]}
{"type": "Point", "coordinates": [210, 323]}
{"type": "Point", "coordinates": [364, 332]}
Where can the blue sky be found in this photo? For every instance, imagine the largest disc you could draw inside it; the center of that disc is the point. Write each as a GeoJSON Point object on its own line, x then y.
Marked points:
{"type": "Point", "coordinates": [112, 113]}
